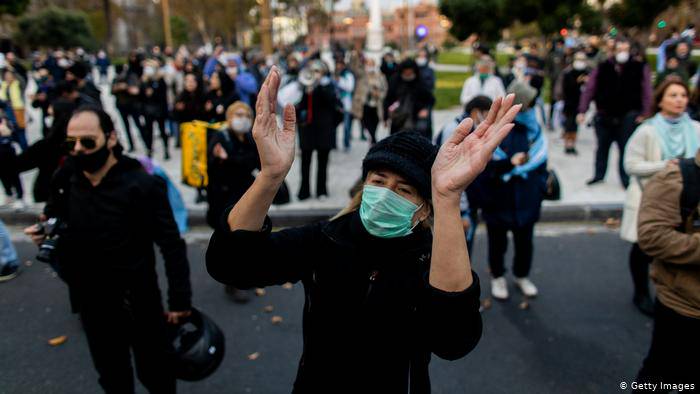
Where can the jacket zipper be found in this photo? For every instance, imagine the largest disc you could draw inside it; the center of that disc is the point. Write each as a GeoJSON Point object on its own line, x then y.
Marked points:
{"type": "Point", "coordinates": [372, 278]}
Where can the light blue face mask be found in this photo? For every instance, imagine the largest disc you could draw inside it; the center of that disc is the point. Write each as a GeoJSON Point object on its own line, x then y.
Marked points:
{"type": "Point", "coordinates": [386, 214]}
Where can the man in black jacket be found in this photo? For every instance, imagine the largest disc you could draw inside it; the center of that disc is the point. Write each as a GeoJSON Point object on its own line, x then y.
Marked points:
{"type": "Point", "coordinates": [113, 212]}
{"type": "Point", "coordinates": [621, 88]}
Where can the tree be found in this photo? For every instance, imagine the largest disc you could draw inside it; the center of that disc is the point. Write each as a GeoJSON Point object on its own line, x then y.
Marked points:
{"type": "Point", "coordinates": [489, 17]}
{"type": "Point", "coordinates": [486, 18]}
{"type": "Point", "coordinates": [13, 7]}
{"type": "Point", "coordinates": [56, 27]}
{"type": "Point", "coordinates": [638, 13]}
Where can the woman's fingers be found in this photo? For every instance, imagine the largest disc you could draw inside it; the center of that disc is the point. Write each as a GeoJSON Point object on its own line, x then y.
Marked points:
{"type": "Point", "coordinates": [262, 103]}
{"type": "Point", "coordinates": [290, 119]}
{"type": "Point", "coordinates": [505, 105]}
{"type": "Point", "coordinates": [493, 111]}
{"type": "Point", "coordinates": [462, 131]}
{"type": "Point", "coordinates": [495, 139]}
{"type": "Point", "coordinates": [273, 87]}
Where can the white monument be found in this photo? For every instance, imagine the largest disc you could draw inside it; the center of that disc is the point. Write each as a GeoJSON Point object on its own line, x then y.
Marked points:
{"type": "Point", "coordinates": [375, 32]}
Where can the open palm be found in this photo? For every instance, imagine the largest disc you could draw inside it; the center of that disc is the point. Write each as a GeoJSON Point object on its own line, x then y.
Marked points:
{"type": "Point", "coordinates": [275, 144]}
{"type": "Point", "coordinates": [465, 155]}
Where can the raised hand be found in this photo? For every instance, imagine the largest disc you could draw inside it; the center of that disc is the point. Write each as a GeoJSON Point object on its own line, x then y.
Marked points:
{"type": "Point", "coordinates": [465, 155]}
{"type": "Point", "coordinates": [275, 144]}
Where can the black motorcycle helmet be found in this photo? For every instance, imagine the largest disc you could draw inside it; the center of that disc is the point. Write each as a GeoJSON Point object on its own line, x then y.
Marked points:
{"type": "Point", "coordinates": [198, 347]}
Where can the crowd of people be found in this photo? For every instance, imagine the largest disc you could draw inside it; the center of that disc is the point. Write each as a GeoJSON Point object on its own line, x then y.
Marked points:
{"type": "Point", "coordinates": [419, 201]}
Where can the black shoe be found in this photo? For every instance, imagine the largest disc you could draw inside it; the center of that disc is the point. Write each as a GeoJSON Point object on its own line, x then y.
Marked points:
{"type": "Point", "coordinates": [644, 304]}
{"type": "Point", "coordinates": [571, 151]}
{"type": "Point", "coordinates": [303, 196]}
{"type": "Point", "coordinates": [237, 295]}
{"type": "Point", "coordinates": [166, 156]}
{"type": "Point", "coordinates": [8, 273]}
{"type": "Point", "coordinates": [594, 181]}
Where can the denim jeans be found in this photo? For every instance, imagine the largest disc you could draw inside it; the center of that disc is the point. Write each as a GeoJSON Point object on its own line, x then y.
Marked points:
{"type": "Point", "coordinates": [8, 254]}
{"type": "Point", "coordinates": [347, 129]}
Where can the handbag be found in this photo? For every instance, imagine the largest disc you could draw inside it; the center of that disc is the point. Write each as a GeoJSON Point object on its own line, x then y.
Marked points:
{"type": "Point", "coordinates": [552, 188]}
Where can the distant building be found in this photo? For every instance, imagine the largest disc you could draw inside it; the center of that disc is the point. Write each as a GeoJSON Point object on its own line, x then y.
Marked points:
{"type": "Point", "coordinates": [350, 27]}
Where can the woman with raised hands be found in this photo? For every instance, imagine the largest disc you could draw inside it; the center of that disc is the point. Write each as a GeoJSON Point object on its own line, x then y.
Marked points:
{"type": "Point", "coordinates": [387, 281]}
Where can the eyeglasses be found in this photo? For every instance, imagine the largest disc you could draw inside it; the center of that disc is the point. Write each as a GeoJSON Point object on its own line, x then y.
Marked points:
{"type": "Point", "coordinates": [87, 142]}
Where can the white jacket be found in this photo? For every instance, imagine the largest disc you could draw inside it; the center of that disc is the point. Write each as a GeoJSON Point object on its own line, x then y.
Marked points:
{"type": "Point", "coordinates": [642, 161]}
{"type": "Point", "coordinates": [491, 88]}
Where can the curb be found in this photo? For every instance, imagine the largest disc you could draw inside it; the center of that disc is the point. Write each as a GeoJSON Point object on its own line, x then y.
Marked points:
{"type": "Point", "coordinates": [294, 217]}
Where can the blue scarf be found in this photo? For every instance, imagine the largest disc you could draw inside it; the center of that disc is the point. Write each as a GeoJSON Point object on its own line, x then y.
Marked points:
{"type": "Point", "coordinates": [677, 136]}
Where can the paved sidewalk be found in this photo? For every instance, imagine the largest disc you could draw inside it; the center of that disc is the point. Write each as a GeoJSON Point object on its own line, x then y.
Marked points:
{"type": "Point", "coordinates": [345, 169]}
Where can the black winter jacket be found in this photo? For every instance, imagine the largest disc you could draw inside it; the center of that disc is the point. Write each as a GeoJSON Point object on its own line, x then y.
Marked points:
{"type": "Point", "coordinates": [229, 179]}
{"type": "Point", "coordinates": [371, 319]}
{"type": "Point", "coordinates": [107, 246]}
{"type": "Point", "coordinates": [316, 118]}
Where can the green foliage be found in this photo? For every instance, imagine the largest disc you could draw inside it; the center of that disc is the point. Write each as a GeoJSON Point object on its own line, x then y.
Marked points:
{"type": "Point", "coordinates": [489, 17]}
{"type": "Point", "coordinates": [638, 13]}
{"type": "Point", "coordinates": [56, 27]}
{"type": "Point", "coordinates": [180, 30]}
{"type": "Point", "coordinates": [13, 7]}
{"type": "Point", "coordinates": [485, 17]}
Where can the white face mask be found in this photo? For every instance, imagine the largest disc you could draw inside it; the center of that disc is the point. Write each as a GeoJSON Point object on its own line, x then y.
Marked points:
{"type": "Point", "coordinates": [241, 125]}
{"type": "Point", "coordinates": [579, 65]}
{"type": "Point", "coordinates": [622, 57]}
{"type": "Point", "coordinates": [149, 71]}
{"type": "Point", "coordinates": [421, 61]}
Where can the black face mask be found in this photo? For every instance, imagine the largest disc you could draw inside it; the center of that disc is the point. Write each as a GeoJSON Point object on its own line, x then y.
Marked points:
{"type": "Point", "coordinates": [92, 162]}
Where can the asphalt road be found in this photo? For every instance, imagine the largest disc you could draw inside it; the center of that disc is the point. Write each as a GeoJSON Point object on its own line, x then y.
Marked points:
{"type": "Point", "coordinates": [581, 335]}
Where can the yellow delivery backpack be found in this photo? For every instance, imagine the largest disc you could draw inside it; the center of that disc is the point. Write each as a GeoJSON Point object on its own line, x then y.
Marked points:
{"type": "Point", "coordinates": [194, 138]}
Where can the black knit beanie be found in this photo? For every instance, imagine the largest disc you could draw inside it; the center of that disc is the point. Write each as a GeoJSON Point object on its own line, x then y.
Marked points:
{"type": "Point", "coordinates": [407, 153]}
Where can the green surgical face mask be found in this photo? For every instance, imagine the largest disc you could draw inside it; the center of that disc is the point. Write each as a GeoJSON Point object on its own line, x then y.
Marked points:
{"type": "Point", "coordinates": [385, 214]}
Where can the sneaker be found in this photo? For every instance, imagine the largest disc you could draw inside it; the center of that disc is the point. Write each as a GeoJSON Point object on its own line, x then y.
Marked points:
{"type": "Point", "coordinates": [594, 181]}
{"type": "Point", "coordinates": [499, 288]}
{"type": "Point", "coordinates": [8, 272]}
{"type": "Point", "coordinates": [9, 201]}
{"type": "Point", "coordinates": [19, 206]}
{"type": "Point", "coordinates": [526, 286]}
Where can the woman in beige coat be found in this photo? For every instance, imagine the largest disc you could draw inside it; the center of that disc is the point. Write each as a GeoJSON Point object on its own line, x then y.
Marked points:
{"type": "Point", "coordinates": [369, 95]}
{"type": "Point", "coordinates": [664, 138]}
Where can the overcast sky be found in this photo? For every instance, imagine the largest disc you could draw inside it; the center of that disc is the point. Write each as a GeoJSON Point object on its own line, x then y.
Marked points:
{"type": "Point", "coordinates": [386, 4]}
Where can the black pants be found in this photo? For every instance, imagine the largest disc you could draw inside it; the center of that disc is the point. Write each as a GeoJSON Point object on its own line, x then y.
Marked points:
{"type": "Point", "coordinates": [370, 121]}
{"type": "Point", "coordinates": [147, 132]}
{"type": "Point", "coordinates": [126, 113]}
{"type": "Point", "coordinates": [12, 185]}
{"type": "Point", "coordinates": [609, 129]}
{"type": "Point", "coordinates": [639, 268]}
{"type": "Point", "coordinates": [498, 244]}
{"type": "Point", "coordinates": [116, 330]}
{"type": "Point", "coordinates": [8, 174]}
{"type": "Point", "coordinates": [673, 355]}
{"type": "Point", "coordinates": [322, 160]}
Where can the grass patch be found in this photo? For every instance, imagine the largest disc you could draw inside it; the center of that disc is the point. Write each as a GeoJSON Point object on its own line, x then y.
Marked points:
{"type": "Point", "coordinates": [448, 87]}
{"type": "Point", "coordinates": [455, 57]}
{"type": "Point", "coordinates": [467, 59]}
